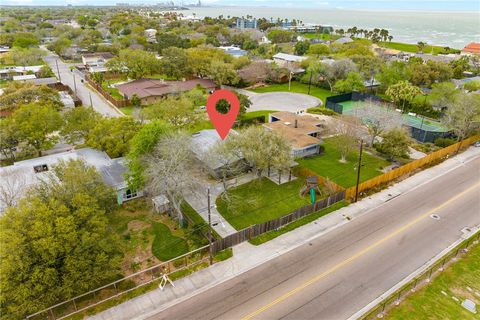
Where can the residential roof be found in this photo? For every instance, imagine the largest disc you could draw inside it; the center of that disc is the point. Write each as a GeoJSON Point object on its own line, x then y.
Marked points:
{"type": "Point", "coordinates": [20, 69]}
{"type": "Point", "coordinates": [202, 142]}
{"type": "Point", "coordinates": [150, 87]}
{"type": "Point", "coordinates": [24, 77]}
{"type": "Point", "coordinates": [105, 55]}
{"type": "Point", "coordinates": [298, 137]}
{"type": "Point", "coordinates": [343, 40]}
{"type": "Point", "coordinates": [289, 57]}
{"type": "Point", "coordinates": [472, 47]}
{"type": "Point", "coordinates": [112, 170]}
{"type": "Point", "coordinates": [46, 81]}
{"type": "Point", "coordinates": [461, 82]}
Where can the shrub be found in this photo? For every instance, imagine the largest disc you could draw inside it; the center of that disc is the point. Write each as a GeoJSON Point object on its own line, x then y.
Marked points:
{"type": "Point", "coordinates": [444, 142]}
{"type": "Point", "coordinates": [323, 111]}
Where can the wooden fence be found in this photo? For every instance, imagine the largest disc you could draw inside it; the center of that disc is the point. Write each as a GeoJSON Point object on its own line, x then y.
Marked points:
{"type": "Point", "coordinates": [106, 95]}
{"type": "Point", "coordinates": [395, 173]}
{"type": "Point", "coordinates": [305, 172]}
{"type": "Point", "coordinates": [256, 230]}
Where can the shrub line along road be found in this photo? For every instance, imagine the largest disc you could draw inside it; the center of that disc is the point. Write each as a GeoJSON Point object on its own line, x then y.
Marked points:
{"type": "Point", "coordinates": [339, 273]}
{"type": "Point", "coordinates": [83, 91]}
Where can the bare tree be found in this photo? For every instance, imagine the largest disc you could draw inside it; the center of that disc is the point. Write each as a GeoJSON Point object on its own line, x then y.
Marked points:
{"type": "Point", "coordinates": [263, 149]}
{"type": "Point", "coordinates": [463, 115]}
{"type": "Point", "coordinates": [377, 118]}
{"type": "Point", "coordinates": [347, 133]}
{"type": "Point", "coordinates": [168, 169]}
{"type": "Point", "coordinates": [12, 188]}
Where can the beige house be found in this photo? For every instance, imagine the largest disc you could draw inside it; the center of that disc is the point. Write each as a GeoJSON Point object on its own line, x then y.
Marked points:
{"type": "Point", "coordinates": [303, 132]}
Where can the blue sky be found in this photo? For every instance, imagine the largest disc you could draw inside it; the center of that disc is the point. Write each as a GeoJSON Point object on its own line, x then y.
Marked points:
{"type": "Point", "coordinates": [434, 5]}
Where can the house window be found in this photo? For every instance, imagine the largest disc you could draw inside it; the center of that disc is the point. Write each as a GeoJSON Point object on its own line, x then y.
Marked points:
{"type": "Point", "coordinates": [40, 168]}
{"type": "Point", "coordinates": [127, 195]}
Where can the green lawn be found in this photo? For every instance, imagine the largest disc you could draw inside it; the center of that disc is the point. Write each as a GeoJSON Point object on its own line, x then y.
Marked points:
{"type": "Point", "coordinates": [112, 91]}
{"type": "Point", "coordinates": [165, 245]}
{"type": "Point", "coordinates": [250, 116]}
{"type": "Point", "coordinates": [261, 200]}
{"type": "Point", "coordinates": [297, 87]}
{"type": "Point", "coordinates": [323, 36]}
{"type": "Point", "coordinates": [430, 303]}
{"type": "Point", "coordinates": [407, 47]}
{"type": "Point", "coordinates": [344, 174]}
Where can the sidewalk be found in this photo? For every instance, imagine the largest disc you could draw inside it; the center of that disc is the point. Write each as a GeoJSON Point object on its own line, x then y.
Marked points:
{"type": "Point", "coordinates": [247, 256]}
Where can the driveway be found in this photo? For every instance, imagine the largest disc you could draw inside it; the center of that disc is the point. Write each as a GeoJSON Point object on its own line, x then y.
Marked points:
{"type": "Point", "coordinates": [87, 95]}
{"type": "Point", "coordinates": [283, 101]}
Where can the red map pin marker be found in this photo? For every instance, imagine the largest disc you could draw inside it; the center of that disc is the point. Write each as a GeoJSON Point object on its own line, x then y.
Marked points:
{"type": "Point", "coordinates": [223, 122]}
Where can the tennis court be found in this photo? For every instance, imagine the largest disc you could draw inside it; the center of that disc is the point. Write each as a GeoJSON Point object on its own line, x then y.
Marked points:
{"type": "Point", "coordinates": [409, 120]}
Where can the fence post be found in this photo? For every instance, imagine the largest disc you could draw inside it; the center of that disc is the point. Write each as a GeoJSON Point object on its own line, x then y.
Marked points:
{"type": "Point", "coordinates": [51, 314]}
{"type": "Point", "coordinates": [74, 304]}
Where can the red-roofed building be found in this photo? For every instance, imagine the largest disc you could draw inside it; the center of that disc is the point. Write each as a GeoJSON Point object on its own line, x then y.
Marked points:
{"type": "Point", "coordinates": [151, 91]}
{"type": "Point", "coordinates": [472, 48]}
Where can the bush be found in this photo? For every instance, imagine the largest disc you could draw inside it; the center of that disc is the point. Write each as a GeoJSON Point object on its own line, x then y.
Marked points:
{"type": "Point", "coordinates": [323, 111]}
{"type": "Point", "coordinates": [444, 142]}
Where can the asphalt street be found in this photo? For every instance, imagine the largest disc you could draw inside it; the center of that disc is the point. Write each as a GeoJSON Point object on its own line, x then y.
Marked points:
{"type": "Point", "coordinates": [74, 81]}
{"type": "Point", "coordinates": [337, 274]}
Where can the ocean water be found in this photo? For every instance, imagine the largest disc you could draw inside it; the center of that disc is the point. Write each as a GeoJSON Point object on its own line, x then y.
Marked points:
{"type": "Point", "coordinates": [453, 29]}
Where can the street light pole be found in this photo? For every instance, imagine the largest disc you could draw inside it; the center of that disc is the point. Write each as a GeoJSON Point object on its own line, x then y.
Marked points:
{"type": "Point", "coordinates": [74, 84]}
{"type": "Point", "coordinates": [209, 228]}
{"type": "Point", "coordinates": [358, 170]}
{"type": "Point", "coordinates": [310, 81]}
{"type": "Point", "coordinates": [91, 102]}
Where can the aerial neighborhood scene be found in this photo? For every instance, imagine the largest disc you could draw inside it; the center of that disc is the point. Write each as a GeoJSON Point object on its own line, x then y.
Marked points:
{"type": "Point", "coordinates": [239, 160]}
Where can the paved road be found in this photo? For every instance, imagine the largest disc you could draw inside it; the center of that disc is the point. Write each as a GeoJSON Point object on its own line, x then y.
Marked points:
{"type": "Point", "coordinates": [83, 92]}
{"type": "Point", "coordinates": [337, 274]}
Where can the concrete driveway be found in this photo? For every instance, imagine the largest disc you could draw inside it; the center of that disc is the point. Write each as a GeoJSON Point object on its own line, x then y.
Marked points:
{"type": "Point", "coordinates": [283, 101]}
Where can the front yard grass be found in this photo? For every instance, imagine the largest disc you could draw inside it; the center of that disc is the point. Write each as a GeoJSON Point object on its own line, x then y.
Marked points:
{"type": "Point", "coordinates": [408, 47]}
{"type": "Point", "coordinates": [260, 201]}
{"type": "Point", "coordinates": [430, 303]}
{"type": "Point", "coordinates": [344, 174]}
{"type": "Point", "coordinates": [297, 87]}
{"type": "Point", "coordinates": [112, 91]}
{"type": "Point", "coordinates": [146, 237]}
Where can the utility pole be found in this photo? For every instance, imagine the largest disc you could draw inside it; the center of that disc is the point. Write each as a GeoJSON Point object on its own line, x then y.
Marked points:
{"type": "Point", "coordinates": [209, 228]}
{"type": "Point", "coordinates": [74, 84]}
{"type": "Point", "coordinates": [358, 169]}
{"type": "Point", "coordinates": [58, 71]}
{"type": "Point", "coordinates": [310, 81]}
{"type": "Point", "coordinates": [91, 102]}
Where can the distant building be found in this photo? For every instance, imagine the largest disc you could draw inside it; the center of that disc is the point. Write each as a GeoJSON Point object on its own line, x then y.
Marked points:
{"type": "Point", "coordinates": [33, 170]}
{"type": "Point", "coordinates": [7, 73]}
{"type": "Point", "coordinates": [343, 40]}
{"type": "Point", "coordinates": [24, 77]}
{"type": "Point", "coordinates": [234, 51]}
{"type": "Point", "coordinates": [303, 132]}
{"type": "Point", "coordinates": [243, 23]}
{"type": "Point", "coordinates": [152, 91]}
{"type": "Point", "coordinates": [289, 61]}
{"type": "Point", "coordinates": [95, 62]}
{"type": "Point", "coordinates": [472, 48]}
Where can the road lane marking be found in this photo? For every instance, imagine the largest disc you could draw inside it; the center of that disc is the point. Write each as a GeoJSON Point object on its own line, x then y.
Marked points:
{"type": "Point", "coordinates": [356, 256]}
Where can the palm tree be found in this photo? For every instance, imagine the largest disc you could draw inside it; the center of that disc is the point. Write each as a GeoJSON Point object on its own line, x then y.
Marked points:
{"type": "Point", "coordinates": [421, 45]}
{"type": "Point", "coordinates": [390, 38]}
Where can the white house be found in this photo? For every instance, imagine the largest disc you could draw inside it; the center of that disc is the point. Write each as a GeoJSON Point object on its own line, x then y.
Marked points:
{"type": "Point", "coordinates": [17, 178]}
{"type": "Point", "coordinates": [9, 72]}
{"type": "Point", "coordinates": [96, 61]}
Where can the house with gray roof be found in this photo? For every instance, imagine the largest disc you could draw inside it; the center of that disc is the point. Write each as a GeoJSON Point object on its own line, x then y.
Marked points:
{"type": "Point", "coordinates": [202, 144]}
{"type": "Point", "coordinates": [26, 173]}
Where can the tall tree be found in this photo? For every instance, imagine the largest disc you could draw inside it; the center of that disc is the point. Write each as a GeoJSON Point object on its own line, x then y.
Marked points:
{"type": "Point", "coordinates": [36, 124]}
{"type": "Point", "coordinates": [78, 122]}
{"type": "Point", "coordinates": [403, 93]}
{"type": "Point", "coordinates": [395, 143]}
{"type": "Point", "coordinates": [112, 135]}
{"type": "Point", "coordinates": [174, 63]}
{"type": "Point", "coordinates": [463, 115]}
{"type": "Point", "coordinates": [56, 243]}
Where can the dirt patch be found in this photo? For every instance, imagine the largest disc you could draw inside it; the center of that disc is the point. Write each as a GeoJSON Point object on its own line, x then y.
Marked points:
{"type": "Point", "coordinates": [136, 225]}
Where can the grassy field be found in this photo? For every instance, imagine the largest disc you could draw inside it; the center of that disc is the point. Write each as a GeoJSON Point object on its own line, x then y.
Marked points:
{"type": "Point", "coordinates": [261, 200]}
{"type": "Point", "coordinates": [407, 47]}
{"type": "Point", "coordinates": [147, 238]}
{"type": "Point", "coordinates": [112, 91]}
{"type": "Point", "coordinates": [430, 303]}
{"type": "Point", "coordinates": [344, 174]}
{"type": "Point", "coordinates": [323, 36]}
{"type": "Point", "coordinates": [297, 87]}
